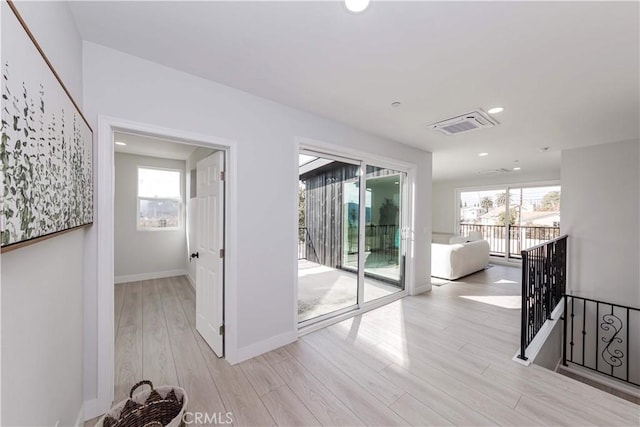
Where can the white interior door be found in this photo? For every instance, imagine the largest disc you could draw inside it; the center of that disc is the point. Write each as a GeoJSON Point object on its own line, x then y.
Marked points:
{"type": "Point", "coordinates": [210, 251]}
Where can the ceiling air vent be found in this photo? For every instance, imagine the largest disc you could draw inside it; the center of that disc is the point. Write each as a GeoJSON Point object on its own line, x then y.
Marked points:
{"type": "Point", "coordinates": [477, 119]}
{"type": "Point", "coordinates": [494, 171]}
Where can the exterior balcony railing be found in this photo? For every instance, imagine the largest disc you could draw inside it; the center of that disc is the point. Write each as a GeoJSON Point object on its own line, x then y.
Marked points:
{"type": "Point", "coordinates": [515, 237]}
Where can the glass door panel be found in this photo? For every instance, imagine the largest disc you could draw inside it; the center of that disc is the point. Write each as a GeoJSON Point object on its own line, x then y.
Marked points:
{"type": "Point", "coordinates": [350, 222]}
{"type": "Point", "coordinates": [515, 211]}
{"type": "Point", "coordinates": [536, 217]}
{"type": "Point", "coordinates": [485, 211]}
{"type": "Point", "coordinates": [383, 242]}
{"type": "Point", "coordinates": [328, 229]}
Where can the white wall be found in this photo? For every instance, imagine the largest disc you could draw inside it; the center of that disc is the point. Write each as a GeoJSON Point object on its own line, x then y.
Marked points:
{"type": "Point", "coordinates": [139, 254]}
{"type": "Point", "coordinates": [55, 30]}
{"type": "Point", "coordinates": [42, 332]}
{"type": "Point", "coordinates": [265, 132]}
{"type": "Point", "coordinates": [600, 213]}
{"type": "Point", "coordinates": [42, 284]}
{"type": "Point", "coordinates": [444, 194]}
{"type": "Point", "coordinates": [551, 351]}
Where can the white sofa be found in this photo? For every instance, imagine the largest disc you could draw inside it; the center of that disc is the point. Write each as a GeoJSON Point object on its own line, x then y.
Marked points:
{"type": "Point", "coordinates": [457, 260]}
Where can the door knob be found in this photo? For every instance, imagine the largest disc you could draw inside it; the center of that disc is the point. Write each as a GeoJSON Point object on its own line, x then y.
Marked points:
{"type": "Point", "coordinates": [195, 255]}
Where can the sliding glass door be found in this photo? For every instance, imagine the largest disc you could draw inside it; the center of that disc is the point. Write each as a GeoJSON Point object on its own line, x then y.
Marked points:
{"type": "Point", "coordinates": [384, 243]}
{"type": "Point", "coordinates": [330, 206]}
{"type": "Point", "coordinates": [351, 247]}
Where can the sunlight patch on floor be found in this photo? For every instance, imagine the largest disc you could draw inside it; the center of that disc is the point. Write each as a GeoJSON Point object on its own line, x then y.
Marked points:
{"type": "Point", "coordinates": [308, 271]}
{"type": "Point", "coordinates": [513, 302]}
{"type": "Point", "coordinates": [505, 281]}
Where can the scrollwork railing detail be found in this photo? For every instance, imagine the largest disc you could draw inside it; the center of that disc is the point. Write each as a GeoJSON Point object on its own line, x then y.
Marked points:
{"type": "Point", "coordinates": [608, 340]}
{"type": "Point", "coordinates": [612, 356]}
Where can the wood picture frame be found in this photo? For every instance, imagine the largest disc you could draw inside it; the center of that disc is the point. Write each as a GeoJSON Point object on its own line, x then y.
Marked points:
{"type": "Point", "coordinates": [46, 147]}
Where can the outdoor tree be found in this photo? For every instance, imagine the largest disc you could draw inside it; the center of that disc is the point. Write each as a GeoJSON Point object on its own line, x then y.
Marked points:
{"type": "Point", "coordinates": [486, 203]}
{"type": "Point", "coordinates": [512, 217]}
{"type": "Point", "coordinates": [550, 201]}
{"type": "Point", "coordinates": [501, 199]}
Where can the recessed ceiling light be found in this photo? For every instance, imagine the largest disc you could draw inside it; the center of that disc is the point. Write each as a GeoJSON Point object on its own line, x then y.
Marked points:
{"type": "Point", "coordinates": [516, 168]}
{"type": "Point", "coordinates": [356, 6]}
{"type": "Point", "coordinates": [483, 154]}
{"type": "Point", "coordinates": [396, 104]}
{"type": "Point", "coordinates": [120, 143]}
{"type": "Point", "coordinates": [495, 110]}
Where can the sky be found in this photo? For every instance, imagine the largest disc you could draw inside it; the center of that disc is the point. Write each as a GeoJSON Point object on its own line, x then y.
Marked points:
{"type": "Point", "coordinates": [158, 183]}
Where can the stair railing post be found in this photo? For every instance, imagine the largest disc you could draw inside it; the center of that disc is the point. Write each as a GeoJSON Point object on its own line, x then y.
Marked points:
{"type": "Point", "coordinates": [564, 332]}
{"type": "Point", "coordinates": [524, 311]}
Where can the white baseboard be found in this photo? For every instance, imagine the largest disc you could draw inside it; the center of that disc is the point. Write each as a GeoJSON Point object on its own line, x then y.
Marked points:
{"type": "Point", "coordinates": [192, 282]}
{"type": "Point", "coordinates": [80, 418]}
{"type": "Point", "coordinates": [516, 263]}
{"type": "Point", "coordinates": [421, 289]}
{"type": "Point", "coordinates": [90, 409]}
{"type": "Point", "coordinates": [253, 350]}
{"type": "Point", "coordinates": [149, 276]}
{"type": "Point", "coordinates": [600, 378]}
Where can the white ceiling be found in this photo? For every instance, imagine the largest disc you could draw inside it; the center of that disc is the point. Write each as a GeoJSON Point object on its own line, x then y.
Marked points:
{"type": "Point", "coordinates": [567, 73]}
{"type": "Point", "coordinates": [154, 147]}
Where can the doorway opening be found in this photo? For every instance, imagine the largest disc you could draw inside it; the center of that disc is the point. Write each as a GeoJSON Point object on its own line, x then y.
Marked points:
{"type": "Point", "coordinates": [157, 212]}
{"type": "Point", "coordinates": [168, 256]}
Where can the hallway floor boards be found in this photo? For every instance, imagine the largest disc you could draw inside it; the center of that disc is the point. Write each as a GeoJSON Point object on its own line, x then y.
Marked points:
{"type": "Point", "coordinates": [440, 358]}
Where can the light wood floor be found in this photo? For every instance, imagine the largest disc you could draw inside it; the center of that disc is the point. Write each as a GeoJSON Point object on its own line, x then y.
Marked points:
{"type": "Point", "coordinates": [435, 359]}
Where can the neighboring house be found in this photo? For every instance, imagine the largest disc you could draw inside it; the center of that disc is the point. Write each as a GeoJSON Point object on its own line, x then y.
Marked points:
{"type": "Point", "coordinates": [529, 217]}
{"type": "Point", "coordinates": [540, 218]}
{"type": "Point", "coordinates": [471, 215]}
{"type": "Point", "coordinates": [582, 66]}
{"type": "Point", "coordinates": [494, 216]}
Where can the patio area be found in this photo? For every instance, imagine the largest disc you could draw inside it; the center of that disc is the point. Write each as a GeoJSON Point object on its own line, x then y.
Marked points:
{"type": "Point", "coordinates": [323, 289]}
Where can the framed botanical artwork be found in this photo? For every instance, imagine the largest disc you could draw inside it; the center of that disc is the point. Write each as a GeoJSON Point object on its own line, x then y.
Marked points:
{"type": "Point", "coordinates": [46, 145]}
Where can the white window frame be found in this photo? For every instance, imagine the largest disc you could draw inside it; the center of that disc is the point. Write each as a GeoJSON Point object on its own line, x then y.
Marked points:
{"type": "Point", "coordinates": [180, 199]}
{"type": "Point", "coordinates": [507, 187]}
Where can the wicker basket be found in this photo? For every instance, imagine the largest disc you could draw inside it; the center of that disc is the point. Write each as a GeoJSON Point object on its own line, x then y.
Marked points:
{"type": "Point", "coordinates": [161, 406]}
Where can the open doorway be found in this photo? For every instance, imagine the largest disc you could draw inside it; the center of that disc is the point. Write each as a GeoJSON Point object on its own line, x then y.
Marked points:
{"type": "Point", "coordinates": [100, 241]}
{"type": "Point", "coordinates": [168, 259]}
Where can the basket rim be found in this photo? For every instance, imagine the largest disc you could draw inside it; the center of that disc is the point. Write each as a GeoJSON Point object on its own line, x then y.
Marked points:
{"type": "Point", "coordinates": [161, 389]}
